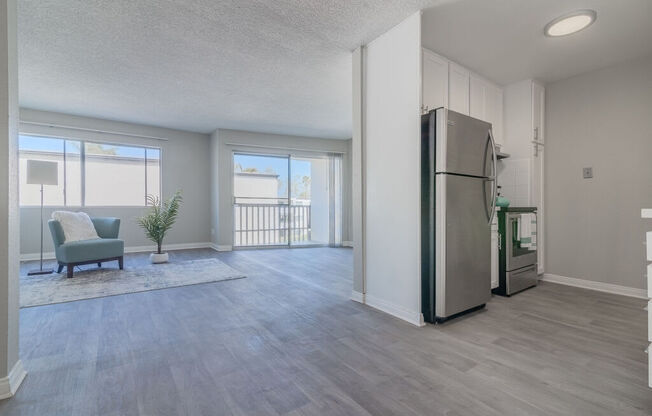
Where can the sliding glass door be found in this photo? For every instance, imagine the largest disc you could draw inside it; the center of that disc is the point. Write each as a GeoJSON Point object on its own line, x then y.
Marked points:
{"type": "Point", "coordinates": [286, 200]}
{"type": "Point", "coordinates": [260, 200]}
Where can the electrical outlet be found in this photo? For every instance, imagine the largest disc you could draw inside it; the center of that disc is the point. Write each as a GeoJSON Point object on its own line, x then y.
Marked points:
{"type": "Point", "coordinates": [587, 173]}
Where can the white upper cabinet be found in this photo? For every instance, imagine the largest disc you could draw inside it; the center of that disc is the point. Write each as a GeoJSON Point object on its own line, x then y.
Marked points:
{"type": "Point", "coordinates": [446, 84]}
{"type": "Point", "coordinates": [458, 88]}
{"type": "Point", "coordinates": [478, 98]}
{"type": "Point", "coordinates": [435, 81]}
{"type": "Point", "coordinates": [494, 111]}
{"type": "Point", "coordinates": [486, 103]}
{"type": "Point", "coordinates": [538, 107]}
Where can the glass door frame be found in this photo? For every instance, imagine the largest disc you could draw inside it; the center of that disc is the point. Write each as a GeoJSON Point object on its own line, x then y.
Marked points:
{"type": "Point", "coordinates": [286, 156]}
{"type": "Point", "coordinates": [281, 155]}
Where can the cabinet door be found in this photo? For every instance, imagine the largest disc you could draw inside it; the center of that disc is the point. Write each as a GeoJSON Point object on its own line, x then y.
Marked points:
{"type": "Point", "coordinates": [458, 89]}
{"type": "Point", "coordinates": [494, 111]}
{"type": "Point", "coordinates": [538, 106]}
{"type": "Point", "coordinates": [435, 82]}
{"type": "Point", "coordinates": [537, 164]}
{"type": "Point", "coordinates": [478, 98]}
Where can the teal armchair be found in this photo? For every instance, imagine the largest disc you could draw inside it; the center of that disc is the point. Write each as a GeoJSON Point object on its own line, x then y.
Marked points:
{"type": "Point", "coordinates": [107, 248]}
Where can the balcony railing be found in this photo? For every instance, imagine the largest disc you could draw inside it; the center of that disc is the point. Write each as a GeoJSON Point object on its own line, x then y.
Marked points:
{"type": "Point", "coordinates": [267, 224]}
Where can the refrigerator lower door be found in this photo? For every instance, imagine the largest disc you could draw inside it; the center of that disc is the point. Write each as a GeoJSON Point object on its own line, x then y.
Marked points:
{"type": "Point", "coordinates": [462, 244]}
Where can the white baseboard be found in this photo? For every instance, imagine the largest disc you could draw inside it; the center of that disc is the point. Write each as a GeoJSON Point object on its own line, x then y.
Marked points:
{"type": "Point", "coordinates": [221, 247]}
{"type": "Point", "coordinates": [415, 318]}
{"type": "Point", "coordinates": [347, 243]}
{"type": "Point", "coordinates": [37, 256]}
{"type": "Point", "coordinates": [599, 286]}
{"type": "Point", "coordinates": [167, 247]}
{"type": "Point", "coordinates": [132, 249]}
{"type": "Point", "coordinates": [357, 296]}
{"type": "Point", "coordinates": [9, 385]}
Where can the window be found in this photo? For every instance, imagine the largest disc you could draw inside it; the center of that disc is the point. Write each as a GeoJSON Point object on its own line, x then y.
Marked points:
{"type": "Point", "coordinates": [91, 173]}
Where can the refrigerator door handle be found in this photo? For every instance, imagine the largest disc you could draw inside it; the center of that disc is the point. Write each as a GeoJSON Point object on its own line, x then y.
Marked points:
{"type": "Point", "coordinates": [493, 178]}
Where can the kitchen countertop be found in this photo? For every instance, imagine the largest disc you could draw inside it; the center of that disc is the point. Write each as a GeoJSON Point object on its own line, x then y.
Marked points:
{"type": "Point", "coordinates": [517, 209]}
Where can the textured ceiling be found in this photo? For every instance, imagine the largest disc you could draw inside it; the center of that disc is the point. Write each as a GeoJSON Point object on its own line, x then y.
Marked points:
{"type": "Point", "coordinates": [503, 39]}
{"type": "Point", "coordinates": [279, 66]}
{"type": "Point", "coordinates": [284, 66]}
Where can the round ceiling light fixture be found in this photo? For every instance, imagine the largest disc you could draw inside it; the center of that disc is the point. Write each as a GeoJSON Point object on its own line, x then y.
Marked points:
{"type": "Point", "coordinates": [570, 23]}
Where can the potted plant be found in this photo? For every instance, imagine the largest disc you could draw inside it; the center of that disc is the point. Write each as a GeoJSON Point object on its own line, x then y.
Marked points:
{"type": "Point", "coordinates": [158, 221]}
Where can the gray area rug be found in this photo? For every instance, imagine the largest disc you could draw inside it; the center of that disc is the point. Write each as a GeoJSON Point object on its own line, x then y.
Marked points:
{"type": "Point", "coordinates": [96, 283]}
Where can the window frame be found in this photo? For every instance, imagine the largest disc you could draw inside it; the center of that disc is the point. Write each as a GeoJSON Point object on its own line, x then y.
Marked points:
{"type": "Point", "coordinates": [82, 156]}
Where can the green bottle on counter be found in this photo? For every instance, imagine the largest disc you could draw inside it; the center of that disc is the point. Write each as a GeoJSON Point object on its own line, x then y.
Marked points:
{"type": "Point", "coordinates": [501, 201]}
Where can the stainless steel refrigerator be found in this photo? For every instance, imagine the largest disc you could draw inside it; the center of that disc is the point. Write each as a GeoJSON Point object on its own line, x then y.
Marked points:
{"type": "Point", "coordinates": [458, 195]}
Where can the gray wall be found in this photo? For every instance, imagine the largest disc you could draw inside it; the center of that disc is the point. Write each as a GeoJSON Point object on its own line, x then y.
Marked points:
{"type": "Point", "coordinates": [185, 166]}
{"type": "Point", "coordinates": [214, 184]}
{"type": "Point", "coordinates": [601, 119]}
{"type": "Point", "coordinates": [229, 141]}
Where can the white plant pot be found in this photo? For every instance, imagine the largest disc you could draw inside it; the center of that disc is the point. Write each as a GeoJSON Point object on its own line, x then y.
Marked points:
{"type": "Point", "coordinates": [158, 258]}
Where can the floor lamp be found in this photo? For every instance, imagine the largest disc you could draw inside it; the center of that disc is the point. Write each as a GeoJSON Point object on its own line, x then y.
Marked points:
{"type": "Point", "coordinates": [40, 172]}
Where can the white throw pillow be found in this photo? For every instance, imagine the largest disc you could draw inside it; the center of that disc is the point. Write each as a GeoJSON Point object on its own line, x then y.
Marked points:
{"type": "Point", "coordinates": [76, 226]}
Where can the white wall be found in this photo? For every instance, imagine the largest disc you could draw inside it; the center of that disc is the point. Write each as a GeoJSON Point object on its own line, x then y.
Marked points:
{"type": "Point", "coordinates": [185, 166]}
{"type": "Point", "coordinates": [602, 119]}
{"type": "Point", "coordinates": [11, 372]}
{"type": "Point", "coordinates": [514, 180]}
{"type": "Point", "coordinates": [229, 141]}
{"type": "Point", "coordinates": [392, 170]}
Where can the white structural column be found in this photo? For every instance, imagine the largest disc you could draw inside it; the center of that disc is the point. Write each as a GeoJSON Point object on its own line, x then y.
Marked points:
{"type": "Point", "coordinates": [11, 370]}
{"type": "Point", "coordinates": [391, 162]}
{"type": "Point", "coordinates": [357, 180]}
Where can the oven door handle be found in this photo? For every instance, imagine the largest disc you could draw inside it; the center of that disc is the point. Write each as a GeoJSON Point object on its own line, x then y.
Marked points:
{"type": "Point", "coordinates": [524, 270]}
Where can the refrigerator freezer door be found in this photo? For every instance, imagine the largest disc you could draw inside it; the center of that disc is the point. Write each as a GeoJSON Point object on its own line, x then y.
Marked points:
{"type": "Point", "coordinates": [462, 244]}
{"type": "Point", "coordinates": [463, 145]}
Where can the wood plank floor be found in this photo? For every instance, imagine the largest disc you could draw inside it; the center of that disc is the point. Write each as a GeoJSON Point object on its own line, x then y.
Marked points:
{"type": "Point", "coordinates": [288, 341]}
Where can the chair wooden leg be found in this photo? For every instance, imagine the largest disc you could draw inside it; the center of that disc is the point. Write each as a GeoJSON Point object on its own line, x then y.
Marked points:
{"type": "Point", "coordinates": [59, 268]}
{"type": "Point", "coordinates": [69, 269]}
{"type": "Point", "coordinates": [121, 262]}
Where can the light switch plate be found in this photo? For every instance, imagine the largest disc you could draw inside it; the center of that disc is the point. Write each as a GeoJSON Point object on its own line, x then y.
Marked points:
{"type": "Point", "coordinates": [587, 173]}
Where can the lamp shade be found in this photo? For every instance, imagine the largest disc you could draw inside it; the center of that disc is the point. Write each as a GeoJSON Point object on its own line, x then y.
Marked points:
{"type": "Point", "coordinates": [40, 172]}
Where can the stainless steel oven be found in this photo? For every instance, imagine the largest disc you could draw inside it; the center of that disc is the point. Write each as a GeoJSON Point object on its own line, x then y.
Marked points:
{"type": "Point", "coordinates": [517, 255]}
{"type": "Point", "coordinates": [518, 251]}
